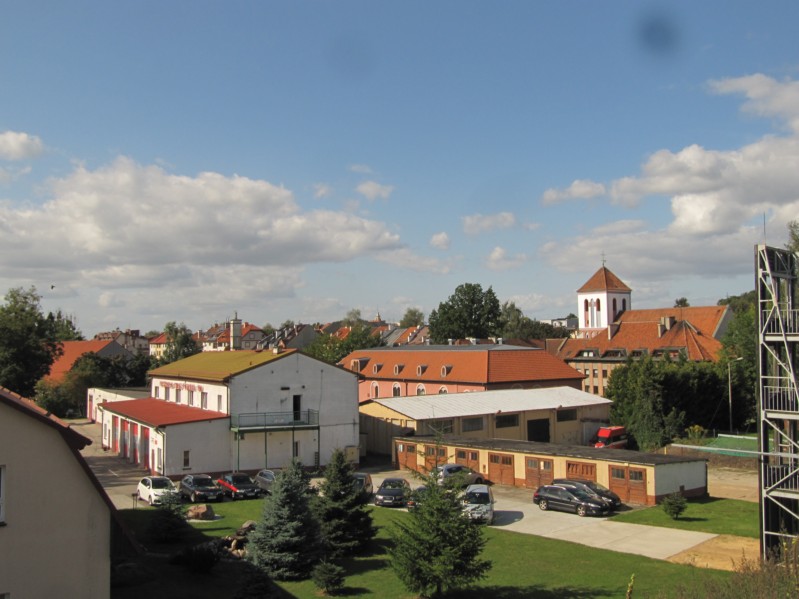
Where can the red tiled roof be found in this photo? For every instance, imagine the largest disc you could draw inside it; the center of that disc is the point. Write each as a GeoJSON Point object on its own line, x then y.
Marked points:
{"type": "Point", "coordinates": [159, 412]}
{"type": "Point", "coordinates": [72, 351]}
{"type": "Point", "coordinates": [477, 364]}
{"type": "Point", "coordinates": [603, 280]}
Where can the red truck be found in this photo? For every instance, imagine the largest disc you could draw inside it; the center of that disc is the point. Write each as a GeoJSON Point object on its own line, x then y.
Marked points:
{"type": "Point", "coordinates": [611, 436]}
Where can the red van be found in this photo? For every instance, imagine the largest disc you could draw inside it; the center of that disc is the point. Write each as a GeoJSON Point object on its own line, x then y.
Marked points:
{"type": "Point", "coordinates": [611, 436]}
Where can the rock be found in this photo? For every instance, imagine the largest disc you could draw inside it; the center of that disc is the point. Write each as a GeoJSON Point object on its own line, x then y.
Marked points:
{"type": "Point", "coordinates": [201, 512]}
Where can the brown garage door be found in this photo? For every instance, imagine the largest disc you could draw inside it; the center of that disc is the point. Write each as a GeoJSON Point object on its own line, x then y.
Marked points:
{"type": "Point", "coordinates": [537, 472]}
{"type": "Point", "coordinates": [469, 458]}
{"type": "Point", "coordinates": [500, 468]}
{"type": "Point", "coordinates": [406, 456]}
{"type": "Point", "coordinates": [628, 483]}
{"type": "Point", "coordinates": [434, 456]}
{"type": "Point", "coordinates": [582, 470]}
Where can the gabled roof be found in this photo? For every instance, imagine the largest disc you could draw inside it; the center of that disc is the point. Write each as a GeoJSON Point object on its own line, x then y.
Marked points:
{"type": "Point", "coordinates": [218, 366]}
{"type": "Point", "coordinates": [72, 350]}
{"type": "Point", "coordinates": [604, 280]}
{"type": "Point", "coordinates": [454, 405]}
{"type": "Point", "coordinates": [693, 331]}
{"type": "Point", "coordinates": [159, 412]}
{"type": "Point", "coordinates": [477, 364]}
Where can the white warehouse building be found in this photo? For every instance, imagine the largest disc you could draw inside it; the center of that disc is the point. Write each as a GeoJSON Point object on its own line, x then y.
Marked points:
{"type": "Point", "coordinates": [238, 410]}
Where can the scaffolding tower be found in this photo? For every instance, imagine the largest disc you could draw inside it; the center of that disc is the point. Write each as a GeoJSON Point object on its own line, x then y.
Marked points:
{"type": "Point", "coordinates": [778, 338]}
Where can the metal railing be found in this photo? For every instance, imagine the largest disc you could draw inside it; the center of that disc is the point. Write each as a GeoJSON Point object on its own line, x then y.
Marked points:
{"type": "Point", "coordinates": [782, 477]}
{"type": "Point", "coordinates": [780, 399]}
{"type": "Point", "coordinates": [261, 420]}
{"type": "Point", "coordinates": [788, 323]}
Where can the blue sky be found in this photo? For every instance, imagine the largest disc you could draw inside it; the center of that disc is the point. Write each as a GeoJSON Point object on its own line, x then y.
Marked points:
{"type": "Point", "coordinates": [183, 161]}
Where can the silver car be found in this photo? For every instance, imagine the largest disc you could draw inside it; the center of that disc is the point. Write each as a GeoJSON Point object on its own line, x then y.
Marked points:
{"type": "Point", "coordinates": [456, 475]}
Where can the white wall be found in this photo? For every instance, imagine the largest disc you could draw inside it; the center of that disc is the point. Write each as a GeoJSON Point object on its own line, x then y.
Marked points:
{"type": "Point", "coordinates": [689, 475]}
{"type": "Point", "coordinates": [160, 385]}
{"type": "Point", "coordinates": [209, 445]}
{"type": "Point", "coordinates": [56, 542]}
{"type": "Point", "coordinates": [96, 396]}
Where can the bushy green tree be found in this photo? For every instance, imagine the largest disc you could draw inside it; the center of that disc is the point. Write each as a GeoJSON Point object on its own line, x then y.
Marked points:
{"type": "Point", "coordinates": [345, 523]}
{"type": "Point", "coordinates": [332, 349]}
{"type": "Point", "coordinates": [469, 312]}
{"type": "Point", "coordinates": [285, 543]}
{"type": "Point", "coordinates": [437, 549]}
{"type": "Point", "coordinates": [180, 343]}
{"type": "Point", "coordinates": [412, 317]}
{"type": "Point", "coordinates": [674, 505]}
{"type": "Point", "coordinates": [29, 341]}
{"type": "Point", "coordinates": [515, 325]}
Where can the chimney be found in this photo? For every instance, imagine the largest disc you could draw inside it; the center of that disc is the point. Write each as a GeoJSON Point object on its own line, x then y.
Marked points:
{"type": "Point", "coordinates": [235, 332]}
{"type": "Point", "coordinates": [612, 330]}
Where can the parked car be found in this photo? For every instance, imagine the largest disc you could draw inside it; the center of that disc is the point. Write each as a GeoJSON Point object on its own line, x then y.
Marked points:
{"type": "Point", "coordinates": [456, 475]}
{"type": "Point", "coordinates": [238, 485]}
{"type": "Point", "coordinates": [416, 498]}
{"type": "Point", "coordinates": [363, 482]}
{"type": "Point", "coordinates": [614, 437]}
{"type": "Point", "coordinates": [200, 487]}
{"type": "Point", "coordinates": [478, 503]}
{"type": "Point", "coordinates": [592, 488]}
{"type": "Point", "coordinates": [569, 500]}
{"type": "Point", "coordinates": [153, 488]}
{"type": "Point", "coordinates": [393, 491]}
{"type": "Point", "coordinates": [264, 479]}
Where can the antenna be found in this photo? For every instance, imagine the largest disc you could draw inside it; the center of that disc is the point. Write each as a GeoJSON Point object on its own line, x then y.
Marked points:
{"type": "Point", "coordinates": [764, 228]}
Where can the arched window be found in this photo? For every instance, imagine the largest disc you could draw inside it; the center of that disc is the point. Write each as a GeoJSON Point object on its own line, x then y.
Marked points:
{"type": "Point", "coordinates": [375, 390]}
{"type": "Point", "coordinates": [442, 390]}
{"type": "Point", "coordinates": [585, 310]}
{"type": "Point", "coordinates": [598, 314]}
{"type": "Point", "coordinates": [420, 389]}
{"type": "Point", "coordinates": [615, 310]}
{"type": "Point", "coordinates": [623, 305]}
{"type": "Point", "coordinates": [395, 390]}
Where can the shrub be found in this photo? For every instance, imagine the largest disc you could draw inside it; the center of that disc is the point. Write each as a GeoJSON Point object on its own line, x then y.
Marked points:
{"type": "Point", "coordinates": [198, 558]}
{"type": "Point", "coordinates": [328, 576]}
{"type": "Point", "coordinates": [674, 505]}
{"type": "Point", "coordinates": [169, 520]}
{"type": "Point", "coordinates": [695, 433]}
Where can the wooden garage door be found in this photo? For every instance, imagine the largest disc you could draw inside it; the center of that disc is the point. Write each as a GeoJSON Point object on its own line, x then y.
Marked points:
{"type": "Point", "coordinates": [582, 470]}
{"type": "Point", "coordinates": [434, 456]}
{"type": "Point", "coordinates": [537, 472]}
{"type": "Point", "coordinates": [628, 483]}
{"type": "Point", "coordinates": [469, 458]}
{"type": "Point", "coordinates": [500, 468]}
{"type": "Point", "coordinates": [406, 456]}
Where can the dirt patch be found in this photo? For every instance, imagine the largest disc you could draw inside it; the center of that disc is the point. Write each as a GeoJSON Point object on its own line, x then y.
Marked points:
{"type": "Point", "coordinates": [724, 552]}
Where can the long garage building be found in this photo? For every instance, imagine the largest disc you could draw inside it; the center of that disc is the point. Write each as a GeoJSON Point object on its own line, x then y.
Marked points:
{"type": "Point", "coordinates": [637, 477]}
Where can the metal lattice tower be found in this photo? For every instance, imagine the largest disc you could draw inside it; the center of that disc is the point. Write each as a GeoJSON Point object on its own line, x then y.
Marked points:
{"type": "Point", "coordinates": [778, 336]}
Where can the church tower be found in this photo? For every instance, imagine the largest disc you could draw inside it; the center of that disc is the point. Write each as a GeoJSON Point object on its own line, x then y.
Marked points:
{"type": "Point", "coordinates": [600, 301]}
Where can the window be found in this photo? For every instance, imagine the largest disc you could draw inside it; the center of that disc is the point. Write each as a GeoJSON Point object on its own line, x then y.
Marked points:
{"type": "Point", "coordinates": [166, 394]}
{"type": "Point", "coordinates": [219, 403]}
{"type": "Point", "coordinates": [532, 464]}
{"type": "Point", "coordinates": [604, 373]}
{"type": "Point", "coordinates": [617, 473]}
{"type": "Point", "coordinates": [2, 495]}
{"type": "Point", "coordinates": [442, 391]}
{"type": "Point", "coordinates": [186, 459]}
{"type": "Point", "coordinates": [395, 390]}
{"type": "Point", "coordinates": [443, 427]}
{"type": "Point", "coordinates": [636, 476]}
{"type": "Point", "coordinates": [375, 390]}
{"type": "Point", "coordinates": [296, 453]}
{"type": "Point", "coordinates": [506, 420]}
{"type": "Point", "coordinates": [177, 395]}
{"type": "Point", "coordinates": [469, 425]}
{"type": "Point", "coordinates": [157, 389]}
{"type": "Point", "coordinates": [567, 415]}
{"type": "Point", "coordinates": [596, 373]}
{"type": "Point", "coordinates": [420, 389]}
{"type": "Point", "coordinates": [460, 454]}
{"type": "Point", "coordinates": [191, 398]}
{"type": "Point", "coordinates": [204, 400]}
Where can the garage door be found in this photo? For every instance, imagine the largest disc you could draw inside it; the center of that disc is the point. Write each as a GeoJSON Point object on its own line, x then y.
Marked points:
{"type": "Point", "coordinates": [500, 468]}
{"type": "Point", "coordinates": [406, 456]}
{"type": "Point", "coordinates": [629, 483]}
{"type": "Point", "coordinates": [582, 470]}
{"type": "Point", "coordinates": [434, 456]}
{"type": "Point", "coordinates": [537, 472]}
{"type": "Point", "coordinates": [469, 458]}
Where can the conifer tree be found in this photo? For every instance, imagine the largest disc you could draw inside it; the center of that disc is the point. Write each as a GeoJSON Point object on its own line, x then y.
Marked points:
{"type": "Point", "coordinates": [284, 544]}
{"type": "Point", "coordinates": [345, 522]}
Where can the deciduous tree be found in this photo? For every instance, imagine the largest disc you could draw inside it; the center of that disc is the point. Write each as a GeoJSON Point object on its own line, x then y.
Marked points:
{"type": "Point", "coordinates": [412, 317]}
{"type": "Point", "coordinates": [469, 312]}
{"type": "Point", "coordinates": [179, 343]}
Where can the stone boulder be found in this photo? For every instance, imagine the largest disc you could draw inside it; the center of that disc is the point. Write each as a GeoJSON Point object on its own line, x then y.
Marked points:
{"type": "Point", "coordinates": [201, 512]}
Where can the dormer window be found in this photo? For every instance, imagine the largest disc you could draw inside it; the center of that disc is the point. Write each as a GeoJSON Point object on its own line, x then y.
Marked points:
{"type": "Point", "coordinates": [398, 368]}
{"type": "Point", "coordinates": [421, 369]}
{"type": "Point", "coordinates": [445, 370]}
{"type": "Point", "coordinates": [376, 368]}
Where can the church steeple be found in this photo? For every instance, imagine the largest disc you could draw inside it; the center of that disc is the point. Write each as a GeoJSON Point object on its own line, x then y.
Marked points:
{"type": "Point", "coordinates": [600, 301]}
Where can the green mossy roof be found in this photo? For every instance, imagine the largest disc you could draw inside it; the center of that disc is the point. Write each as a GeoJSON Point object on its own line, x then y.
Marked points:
{"type": "Point", "coordinates": [217, 366]}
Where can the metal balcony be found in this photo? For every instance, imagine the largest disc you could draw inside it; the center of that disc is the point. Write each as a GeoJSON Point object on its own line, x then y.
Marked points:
{"type": "Point", "coordinates": [782, 477]}
{"type": "Point", "coordinates": [780, 399]}
{"type": "Point", "coordinates": [264, 421]}
{"type": "Point", "coordinates": [786, 322]}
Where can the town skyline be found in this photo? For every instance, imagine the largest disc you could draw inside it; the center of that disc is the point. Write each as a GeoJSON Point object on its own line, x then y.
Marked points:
{"type": "Point", "coordinates": [295, 162]}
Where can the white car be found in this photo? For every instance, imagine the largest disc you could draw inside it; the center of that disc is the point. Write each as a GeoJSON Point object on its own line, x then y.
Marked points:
{"type": "Point", "coordinates": [152, 488]}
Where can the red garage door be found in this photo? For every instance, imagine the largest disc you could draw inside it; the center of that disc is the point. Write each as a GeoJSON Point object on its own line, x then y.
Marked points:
{"type": "Point", "coordinates": [469, 458]}
{"type": "Point", "coordinates": [406, 456]}
{"type": "Point", "coordinates": [537, 472]}
{"type": "Point", "coordinates": [434, 456]}
{"type": "Point", "coordinates": [582, 470]}
{"type": "Point", "coordinates": [628, 483]}
{"type": "Point", "coordinates": [500, 468]}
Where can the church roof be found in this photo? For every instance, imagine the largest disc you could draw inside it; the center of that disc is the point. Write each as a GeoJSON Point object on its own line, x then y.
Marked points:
{"type": "Point", "coordinates": [604, 280]}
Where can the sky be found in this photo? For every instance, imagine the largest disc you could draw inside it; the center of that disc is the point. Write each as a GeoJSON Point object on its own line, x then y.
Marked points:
{"type": "Point", "coordinates": [189, 161]}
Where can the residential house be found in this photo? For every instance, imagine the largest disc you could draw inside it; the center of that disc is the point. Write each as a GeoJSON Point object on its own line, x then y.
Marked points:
{"type": "Point", "coordinates": [237, 410]}
{"type": "Point", "coordinates": [295, 336]}
{"type": "Point", "coordinates": [558, 414]}
{"type": "Point", "coordinates": [441, 369]}
{"type": "Point", "coordinates": [72, 350]}
{"type": "Point", "coordinates": [234, 335]}
{"type": "Point", "coordinates": [692, 332]}
{"type": "Point", "coordinates": [58, 528]}
{"type": "Point", "coordinates": [130, 339]}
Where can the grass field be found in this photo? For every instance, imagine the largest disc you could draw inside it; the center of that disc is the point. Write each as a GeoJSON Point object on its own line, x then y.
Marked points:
{"type": "Point", "coordinates": [719, 516]}
{"type": "Point", "coordinates": [523, 566]}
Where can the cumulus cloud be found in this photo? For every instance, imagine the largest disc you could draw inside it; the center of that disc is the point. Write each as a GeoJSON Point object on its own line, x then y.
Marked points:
{"type": "Point", "coordinates": [360, 168]}
{"type": "Point", "coordinates": [321, 190]}
{"type": "Point", "coordinates": [581, 189]}
{"type": "Point", "coordinates": [480, 223]}
{"type": "Point", "coordinates": [765, 96]}
{"type": "Point", "coordinates": [499, 259]}
{"type": "Point", "coordinates": [372, 190]}
{"type": "Point", "coordinates": [408, 260]}
{"type": "Point", "coordinates": [440, 241]}
{"type": "Point", "coordinates": [19, 146]}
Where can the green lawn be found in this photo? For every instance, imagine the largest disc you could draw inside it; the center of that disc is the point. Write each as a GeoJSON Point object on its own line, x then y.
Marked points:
{"type": "Point", "coordinates": [523, 565]}
{"type": "Point", "coordinates": [718, 516]}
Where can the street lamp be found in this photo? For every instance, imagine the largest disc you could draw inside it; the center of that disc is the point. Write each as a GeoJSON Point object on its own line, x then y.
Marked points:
{"type": "Point", "coordinates": [729, 383]}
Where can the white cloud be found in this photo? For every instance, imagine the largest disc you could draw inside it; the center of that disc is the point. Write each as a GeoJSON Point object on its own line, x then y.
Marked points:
{"type": "Point", "coordinates": [440, 241]}
{"type": "Point", "coordinates": [480, 223]}
{"type": "Point", "coordinates": [765, 96]}
{"type": "Point", "coordinates": [498, 259]}
{"type": "Point", "coordinates": [321, 190]}
{"type": "Point", "coordinates": [405, 258]}
{"type": "Point", "coordinates": [372, 190]}
{"type": "Point", "coordinates": [360, 168]}
{"type": "Point", "coordinates": [19, 146]}
{"type": "Point", "coordinates": [580, 189]}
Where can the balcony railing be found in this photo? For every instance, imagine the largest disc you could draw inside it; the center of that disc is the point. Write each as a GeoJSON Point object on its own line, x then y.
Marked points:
{"type": "Point", "coordinates": [789, 324]}
{"type": "Point", "coordinates": [263, 420]}
{"type": "Point", "coordinates": [782, 477]}
{"type": "Point", "coordinates": [780, 399]}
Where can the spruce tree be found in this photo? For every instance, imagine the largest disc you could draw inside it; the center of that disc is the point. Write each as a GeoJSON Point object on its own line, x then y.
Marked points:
{"type": "Point", "coordinates": [345, 522]}
{"type": "Point", "coordinates": [284, 544]}
{"type": "Point", "coordinates": [437, 549]}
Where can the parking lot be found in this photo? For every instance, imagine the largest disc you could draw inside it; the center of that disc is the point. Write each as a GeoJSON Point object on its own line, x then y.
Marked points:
{"type": "Point", "coordinates": [514, 509]}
